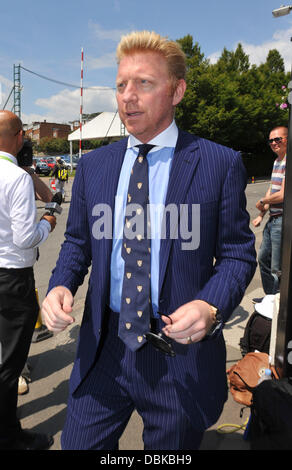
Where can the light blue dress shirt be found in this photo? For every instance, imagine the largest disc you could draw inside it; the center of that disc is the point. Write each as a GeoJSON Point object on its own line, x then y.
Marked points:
{"type": "Point", "coordinates": [159, 161]}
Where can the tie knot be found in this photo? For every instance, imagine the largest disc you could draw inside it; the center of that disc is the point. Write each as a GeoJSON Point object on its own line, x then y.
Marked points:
{"type": "Point", "coordinates": [144, 149]}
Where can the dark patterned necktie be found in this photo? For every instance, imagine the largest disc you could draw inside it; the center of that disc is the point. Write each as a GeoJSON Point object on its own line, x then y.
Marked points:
{"type": "Point", "coordinates": [136, 293]}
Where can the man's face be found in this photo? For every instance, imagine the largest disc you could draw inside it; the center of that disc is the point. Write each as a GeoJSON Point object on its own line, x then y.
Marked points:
{"type": "Point", "coordinates": [145, 100]}
{"type": "Point", "coordinates": [278, 146]}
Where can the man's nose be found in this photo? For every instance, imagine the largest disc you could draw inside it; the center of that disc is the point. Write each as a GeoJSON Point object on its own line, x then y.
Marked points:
{"type": "Point", "coordinates": [130, 92]}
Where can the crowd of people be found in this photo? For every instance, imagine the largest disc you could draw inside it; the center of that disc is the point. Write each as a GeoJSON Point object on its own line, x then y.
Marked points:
{"type": "Point", "coordinates": [151, 334]}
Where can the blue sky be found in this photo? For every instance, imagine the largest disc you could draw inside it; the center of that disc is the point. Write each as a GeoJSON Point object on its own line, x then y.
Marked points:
{"type": "Point", "coordinates": [46, 37]}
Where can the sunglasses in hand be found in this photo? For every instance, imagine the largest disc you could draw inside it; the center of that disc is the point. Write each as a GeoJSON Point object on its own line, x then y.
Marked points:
{"type": "Point", "coordinates": [158, 342]}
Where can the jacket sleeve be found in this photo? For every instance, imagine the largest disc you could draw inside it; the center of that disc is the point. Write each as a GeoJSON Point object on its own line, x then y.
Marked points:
{"type": "Point", "coordinates": [75, 255]}
{"type": "Point", "coordinates": [235, 257]}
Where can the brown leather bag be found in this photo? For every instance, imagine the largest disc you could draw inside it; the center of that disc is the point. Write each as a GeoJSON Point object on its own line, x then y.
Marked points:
{"type": "Point", "coordinates": [243, 376]}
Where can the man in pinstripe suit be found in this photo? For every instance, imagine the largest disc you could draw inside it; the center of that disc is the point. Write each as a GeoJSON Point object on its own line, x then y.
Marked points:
{"type": "Point", "coordinates": [198, 277]}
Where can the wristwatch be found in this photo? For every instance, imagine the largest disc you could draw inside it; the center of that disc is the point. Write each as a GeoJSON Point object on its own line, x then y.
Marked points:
{"type": "Point", "coordinates": [217, 320]}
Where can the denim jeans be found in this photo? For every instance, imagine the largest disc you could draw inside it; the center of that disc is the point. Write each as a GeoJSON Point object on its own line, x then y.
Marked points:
{"type": "Point", "coordinates": [270, 255]}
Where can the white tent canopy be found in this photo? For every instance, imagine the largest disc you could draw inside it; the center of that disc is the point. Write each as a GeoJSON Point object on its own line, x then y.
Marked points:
{"type": "Point", "coordinates": [102, 126]}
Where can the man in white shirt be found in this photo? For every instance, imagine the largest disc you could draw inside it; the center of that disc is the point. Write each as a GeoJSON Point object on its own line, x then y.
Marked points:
{"type": "Point", "coordinates": [20, 237]}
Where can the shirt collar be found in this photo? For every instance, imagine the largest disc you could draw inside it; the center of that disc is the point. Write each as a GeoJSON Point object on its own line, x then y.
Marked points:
{"type": "Point", "coordinates": [281, 159]}
{"type": "Point", "coordinates": [8, 155]}
{"type": "Point", "coordinates": [166, 138]}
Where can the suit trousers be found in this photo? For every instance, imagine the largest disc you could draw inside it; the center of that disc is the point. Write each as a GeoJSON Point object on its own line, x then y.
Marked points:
{"type": "Point", "coordinates": [18, 314]}
{"type": "Point", "coordinates": [157, 386]}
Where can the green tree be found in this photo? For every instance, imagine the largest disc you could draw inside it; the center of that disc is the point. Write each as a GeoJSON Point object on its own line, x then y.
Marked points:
{"type": "Point", "coordinates": [230, 62]}
{"type": "Point", "coordinates": [51, 146]}
{"type": "Point", "coordinates": [231, 101]}
{"type": "Point", "coordinates": [186, 113]}
{"type": "Point", "coordinates": [275, 62]}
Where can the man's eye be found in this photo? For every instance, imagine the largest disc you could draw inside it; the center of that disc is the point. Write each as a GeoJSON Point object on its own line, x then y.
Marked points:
{"type": "Point", "coordinates": [120, 86]}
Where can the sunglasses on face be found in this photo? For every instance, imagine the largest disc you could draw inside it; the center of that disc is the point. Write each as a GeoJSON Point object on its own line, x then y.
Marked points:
{"type": "Point", "coordinates": [277, 140]}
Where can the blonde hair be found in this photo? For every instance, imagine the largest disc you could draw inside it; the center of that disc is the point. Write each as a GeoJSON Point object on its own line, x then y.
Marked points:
{"type": "Point", "coordinates": [146, 41]}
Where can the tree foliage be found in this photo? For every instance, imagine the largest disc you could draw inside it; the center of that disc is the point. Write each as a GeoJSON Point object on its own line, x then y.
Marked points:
{"type": "Point", "coordinates": [53, 146]}
{"type": "Point", "coordinates": [232, 102]}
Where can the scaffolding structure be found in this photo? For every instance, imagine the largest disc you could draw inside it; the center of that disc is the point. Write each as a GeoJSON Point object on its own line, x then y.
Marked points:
{"type": "Point", "coordinates": [17, 90]}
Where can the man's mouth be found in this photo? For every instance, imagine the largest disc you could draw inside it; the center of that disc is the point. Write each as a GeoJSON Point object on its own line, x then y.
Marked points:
{"type": "Point", "coordinates": [133, 113]}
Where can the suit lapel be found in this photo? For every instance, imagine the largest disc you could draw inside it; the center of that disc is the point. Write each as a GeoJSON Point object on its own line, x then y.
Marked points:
{"type": "Point", "coordinates": [112, 171]}
{"type": "Point", "coordinates": [185, 161]}
{"type": "Point", "coordinates": [110, 179]}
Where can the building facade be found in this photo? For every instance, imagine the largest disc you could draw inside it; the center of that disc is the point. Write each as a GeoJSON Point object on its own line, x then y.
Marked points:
{"type": "Point", "coordinates": [39, 130]}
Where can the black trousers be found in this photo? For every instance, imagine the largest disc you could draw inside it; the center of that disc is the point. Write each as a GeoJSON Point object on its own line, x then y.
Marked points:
{"type": "Point", "coordinates": [18, 314]}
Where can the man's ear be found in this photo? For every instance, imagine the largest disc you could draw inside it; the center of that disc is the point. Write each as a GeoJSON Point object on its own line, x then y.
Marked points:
{"type": "Point", "coordinates": [179, 91]}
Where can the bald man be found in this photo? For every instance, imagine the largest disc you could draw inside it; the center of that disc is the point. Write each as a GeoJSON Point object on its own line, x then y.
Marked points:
{"type": "Point", "coordinates": [270, 250]}
{"type": "Point", "coordinates": [20, 236]}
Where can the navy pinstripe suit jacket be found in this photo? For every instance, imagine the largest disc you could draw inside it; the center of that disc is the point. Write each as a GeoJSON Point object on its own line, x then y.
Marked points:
{"type": "Point", "coordinates": [218, 271]}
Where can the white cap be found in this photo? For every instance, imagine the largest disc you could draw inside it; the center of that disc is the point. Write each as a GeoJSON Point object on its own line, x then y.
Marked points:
{"type": "Point", "coordinates": [266, 306]}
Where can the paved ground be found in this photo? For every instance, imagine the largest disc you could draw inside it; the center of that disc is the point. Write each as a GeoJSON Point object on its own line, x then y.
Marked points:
{"type": "Point", "coordinates": [43, 409]}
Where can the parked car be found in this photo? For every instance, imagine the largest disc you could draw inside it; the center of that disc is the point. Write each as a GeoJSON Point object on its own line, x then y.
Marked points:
{"type": "Point", "coordinates": [75, 160]}
{"type": "Point", "coordinates": [50, 161]}
{"type": "Point", "coordinates": [41, 167]}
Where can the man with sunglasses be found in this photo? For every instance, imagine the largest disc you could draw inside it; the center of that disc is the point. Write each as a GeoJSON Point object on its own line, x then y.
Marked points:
{"type": "Point", "coordinates": [20, 237]}
{"type": "Point", "coordinates": [269, 256]}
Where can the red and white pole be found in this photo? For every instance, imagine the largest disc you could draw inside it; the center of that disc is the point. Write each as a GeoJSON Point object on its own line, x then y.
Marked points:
{"type": "Point", "coordinates": [81, 104]}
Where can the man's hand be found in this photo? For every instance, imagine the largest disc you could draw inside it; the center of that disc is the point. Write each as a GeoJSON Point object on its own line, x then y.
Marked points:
{"type": "Point", "coordinates": [51, 219]}
{"type": "Point", "coordinates": [190, 322]}
{"type": "Point", "coordinates": [257, 221]}
{"type": "Point", "coordinates": [260, 205]}
{"type": "Point", "coordinates": [56, 309]}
